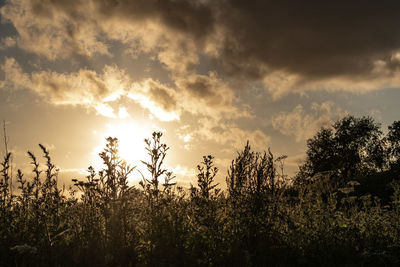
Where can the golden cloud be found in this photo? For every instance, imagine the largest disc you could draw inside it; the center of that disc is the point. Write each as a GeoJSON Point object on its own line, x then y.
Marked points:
{"type": "Point", "coordinates": [303, 125]}
{"type": "Point", "coordinates": [199, 95]}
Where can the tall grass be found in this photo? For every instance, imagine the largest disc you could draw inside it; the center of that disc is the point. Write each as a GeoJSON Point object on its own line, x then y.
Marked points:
{"type": "Point", "coordinates": [260, 220]}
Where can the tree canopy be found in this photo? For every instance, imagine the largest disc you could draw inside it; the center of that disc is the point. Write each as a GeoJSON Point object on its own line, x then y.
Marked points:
{"type": "Point", "coordinates": [354, 149]}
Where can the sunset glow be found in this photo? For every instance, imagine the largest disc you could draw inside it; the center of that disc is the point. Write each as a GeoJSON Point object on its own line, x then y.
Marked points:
{"type": "Point", "coordinates": [131, 137]}
{"type": "Point", "coordinates": [272, 130]}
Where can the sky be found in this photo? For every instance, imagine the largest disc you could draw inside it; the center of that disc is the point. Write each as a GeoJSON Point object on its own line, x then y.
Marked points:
{"type": "Point", "coordinates": [209, 74]}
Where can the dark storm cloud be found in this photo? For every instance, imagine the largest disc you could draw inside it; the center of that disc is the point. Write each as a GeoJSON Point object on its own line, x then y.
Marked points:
{"type": "Point", "coordinates": [311, 38]}
{"type": "Point", "coordinates": [190, 17]}
{"type": "Point", "coordinates": [247, 39]}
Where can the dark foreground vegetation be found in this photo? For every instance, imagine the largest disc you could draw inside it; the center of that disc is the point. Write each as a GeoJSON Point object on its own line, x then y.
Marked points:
{"type": "Point", "coordinates": [341, 209]}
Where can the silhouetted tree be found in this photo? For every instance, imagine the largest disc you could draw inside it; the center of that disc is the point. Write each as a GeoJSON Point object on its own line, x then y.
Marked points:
{"type": "Point", "coordinates": [352, 148]}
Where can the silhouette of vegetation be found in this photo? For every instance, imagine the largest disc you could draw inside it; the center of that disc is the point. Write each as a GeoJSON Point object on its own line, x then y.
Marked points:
{"type": "Point", "coordinates": [342, 208]}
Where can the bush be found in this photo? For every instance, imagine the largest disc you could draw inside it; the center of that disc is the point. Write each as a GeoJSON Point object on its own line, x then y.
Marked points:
{"type": "Point", "coordinates": [260, 220]}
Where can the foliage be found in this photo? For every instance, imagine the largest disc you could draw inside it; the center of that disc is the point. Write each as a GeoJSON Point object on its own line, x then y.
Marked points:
{"type": "Point", "coordinates": [351, 148]}
{"type": "Point", "coordinates": [393, 139]}
{"type": "Point", "coordinates": [331, 215]}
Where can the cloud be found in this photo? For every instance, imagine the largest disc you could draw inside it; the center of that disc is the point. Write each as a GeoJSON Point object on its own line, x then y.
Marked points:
{"type": "Point", "coordinates": [185, 136]}
{"type": "Point", "coordinates": [290, 46]}
{"type": "Point", "coordinates": [311, 38]}
{"type": "Point", "coordinates": [210, 96]}
{"type": "Point", "coordinates": [123, 113]}
{"type": "Point", "coordinates": [159, 99]}
{"type": "Point", "coordinates": [230, 134]}
{"type": "Point", "coordinates": [47, 30]}
{"type": "Point", "coordinates": [7, 42]}
{"type": "Point", "coordinates": [91, 89]}
{"type": "Point", "coordinates": [302, 124]}
{"type": "Point", "coordinates": [279, 84]}
{"type": "Point", "coordinates": [200, 95]}
{"type": "Point", "coordinates": [104, 110]}
{"type": "Point", "coordinates": [14, 77]}
{"type": "Point", "coordinates": [85, 87]}
{"type": "Point", "coordinates": [171, 30]}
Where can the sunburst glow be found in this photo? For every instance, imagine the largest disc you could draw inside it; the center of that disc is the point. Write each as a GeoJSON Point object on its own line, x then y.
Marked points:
{"type": "Point", "coordinates": [131, 137]}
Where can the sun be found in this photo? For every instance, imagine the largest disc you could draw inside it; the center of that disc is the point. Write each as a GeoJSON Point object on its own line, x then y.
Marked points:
{"type": "Point", "coordinates": [131, 142]}
{"type": "Point", "coordinates": [131, 147]}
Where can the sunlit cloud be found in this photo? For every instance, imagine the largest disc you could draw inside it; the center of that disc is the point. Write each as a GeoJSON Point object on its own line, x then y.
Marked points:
{"type": "Point", "coordinates": [48, 31]}
{"type": "Point", "coordinates": [303, 125]}
{"type": "Point", "coordinates": [204, 95]}
{"type": "Point", "coordinates": [123, 113]}
{"type": "Point", "coordinates": [230, 134]}
{"type": "Point", "coordinates": [105, 110]}
{"type": "Point", "coordinates": [280, 84]}
{"type": "Point", "coordinates": [158, 99]}
{"type": "Point", "coordinates": [210, 96]}
{"type": "Point", "coordinates": [84, 87]}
